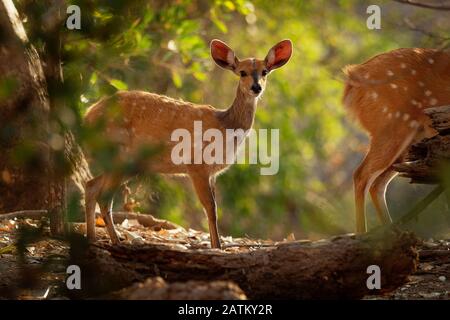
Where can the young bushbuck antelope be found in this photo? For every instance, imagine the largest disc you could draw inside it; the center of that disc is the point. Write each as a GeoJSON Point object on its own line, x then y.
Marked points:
{"type": "Point", "coordinates": [388, 94]}
{"type": "Point", "coordinates": [147, 118]}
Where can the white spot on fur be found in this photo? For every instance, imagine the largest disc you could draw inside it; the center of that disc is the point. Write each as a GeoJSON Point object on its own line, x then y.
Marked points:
{"type": "Point", "coordinates": [413, 124]}
{"type": "Point", "coordinates": [374, 95]}
{"type": "Point", "coordinates": [393, 86]}
{"type": "Point", "coordinates": [390, 73]}
{"type": "Point", "coordinates": [421, 84]}
{"type": "Point", "coordinates": [405, 117]}
{"type": "Point", "coordinates": [431, 61]}
{"type": "Point", "coordinates": [433, 101]}
{"type": "Point", "coordinates": [385, 109]}
{"type": "Point", "coordinates": [428, 93]}
{"type": "Point", "coordinates": [405, 88]}
{"type": "Point", "coordinates": [414, 102]}
{"type": "Point", "coordinates": [397, 114]}
{"type": "Point", "coordinates": [413, 71]}
{"type": "Point", "coordinates": [389, 115]}
{"type": "Point", "coordinates": [366, 76]}
{"type": "Point", "coordinates": [403, 65]}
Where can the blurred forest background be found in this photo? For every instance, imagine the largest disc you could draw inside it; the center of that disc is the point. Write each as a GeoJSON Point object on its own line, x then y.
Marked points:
{"type": "Point", "coordinates": [163, 47]}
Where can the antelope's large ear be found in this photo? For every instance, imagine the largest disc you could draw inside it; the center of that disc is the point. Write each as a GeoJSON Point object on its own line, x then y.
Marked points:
{"type": "Point", "coordinates": [223, 55]}
{"type": "Point", "coordinates": [279, 55]}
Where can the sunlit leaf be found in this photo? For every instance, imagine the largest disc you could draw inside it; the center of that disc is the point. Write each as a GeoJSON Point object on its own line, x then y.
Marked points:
{"type": "Point", "coordinates": [229, 5]}
{"type": "Point", "coordinates": [118, 84]}
{"type": "Point", "coordinates": [176, 78]}
{"type": "Point", "coordinates": [217, 22]}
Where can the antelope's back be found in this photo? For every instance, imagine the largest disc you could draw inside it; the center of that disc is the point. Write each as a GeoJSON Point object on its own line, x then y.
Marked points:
{"type": "Point", "coordinates": [392, 89]}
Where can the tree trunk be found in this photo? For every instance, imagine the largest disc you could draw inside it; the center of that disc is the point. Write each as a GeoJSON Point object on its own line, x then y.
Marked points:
{"type": "Point", "coordinates": [328, 269]}
{"type": "Point", "coordinates": [34, 165]}
{"type": "Point", "coordinates": [24, 112]}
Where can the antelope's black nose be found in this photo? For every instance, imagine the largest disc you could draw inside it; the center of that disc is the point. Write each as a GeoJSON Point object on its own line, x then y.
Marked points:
{"type": "Point", "coordinates": [256, 88]}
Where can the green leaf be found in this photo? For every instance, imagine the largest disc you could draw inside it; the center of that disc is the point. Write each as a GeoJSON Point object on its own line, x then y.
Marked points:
{"type": "Point", "coordinates": [229, 5]}
{"type": "Point", "coordinates": [201, 76]}
{"type": "Point", "coordinates": [217, 22]}
{"type": "Point", "coordinates": [93, 79]}
{"type": "Point", "coordinates": [118, 84]}
{"type": "Point", "coordinates": [176, 78]}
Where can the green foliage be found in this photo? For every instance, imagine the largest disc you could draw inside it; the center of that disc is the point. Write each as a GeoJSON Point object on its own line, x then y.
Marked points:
{"type": "Point", "coordinates": [163, 47]}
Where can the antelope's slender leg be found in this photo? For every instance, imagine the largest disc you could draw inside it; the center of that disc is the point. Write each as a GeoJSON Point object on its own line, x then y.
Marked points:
{"type": "Point", "coordinates": [378, 194]}
{"type": "Point", "coordinates": [204, 187]}
{"type": "Point", "coordinates": [383, 152]}
{"type": "Point", "coordinates": [110, 186]}
{"type": "Point", "coordinates": [92, 191]}
{"type": "Point", "coordinates": [106, 211]}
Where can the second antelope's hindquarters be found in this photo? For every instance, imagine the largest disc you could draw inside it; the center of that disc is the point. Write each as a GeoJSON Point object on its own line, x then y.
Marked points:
{"type": "Point", "coordinates": [387, 95]}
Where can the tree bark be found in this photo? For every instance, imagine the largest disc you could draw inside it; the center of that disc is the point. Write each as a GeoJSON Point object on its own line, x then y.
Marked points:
{"type": "Point", "coordinates": [34, 170]}
{"type": "Point", "coordinates": [158, 289]}
{"type": "Point", "coordinates": [328, 269]}
{"type": "Point", "coordinates": [429, 158]}
{"type": "Point", "coordinates": [24, 112]}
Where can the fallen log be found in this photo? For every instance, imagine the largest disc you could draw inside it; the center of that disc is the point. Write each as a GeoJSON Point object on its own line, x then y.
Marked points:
{"type": "Point", "coordinates": [440, 118]}
{"type": "Point", "coordinates": [426, 160]}
{"type": "Point", "coordinates": [326, 269]}
{"type": "Point", "coordinates": [158, 289]}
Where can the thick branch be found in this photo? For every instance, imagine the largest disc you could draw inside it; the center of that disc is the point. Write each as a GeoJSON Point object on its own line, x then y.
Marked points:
{"type": "Point", "coordinates": [427, 159]}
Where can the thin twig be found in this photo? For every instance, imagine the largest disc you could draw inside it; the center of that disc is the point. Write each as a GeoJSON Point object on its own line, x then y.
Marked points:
{"type": "Point", "coordinates": [441, 42]}
{"type": "Point", "coordinates": [147, 220]}
{"type": "Point", "coordinates": [425, 5]}
{"type": "Point", "coordinates": [421, 205]}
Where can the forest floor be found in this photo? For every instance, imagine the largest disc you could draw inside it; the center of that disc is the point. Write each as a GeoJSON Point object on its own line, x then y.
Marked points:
{"type": "Point", "coordinates": [40, 272]}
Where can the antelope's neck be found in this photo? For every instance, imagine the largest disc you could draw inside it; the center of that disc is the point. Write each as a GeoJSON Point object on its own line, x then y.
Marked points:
{"type": "Point", "coordinates": [241, 114]}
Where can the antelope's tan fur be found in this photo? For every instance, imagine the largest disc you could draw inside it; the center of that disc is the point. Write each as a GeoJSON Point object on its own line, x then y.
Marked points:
{"type": "Point", "coordinates": [137, 118]}
{"type": "Point", "coordinates": [387, 95]}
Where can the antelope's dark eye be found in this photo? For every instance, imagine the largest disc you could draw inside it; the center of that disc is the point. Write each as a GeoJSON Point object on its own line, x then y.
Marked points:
{"type": "Point", "coordinates": [264, 73]}
{"type": "Point", "coordinates": [243, 74]}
